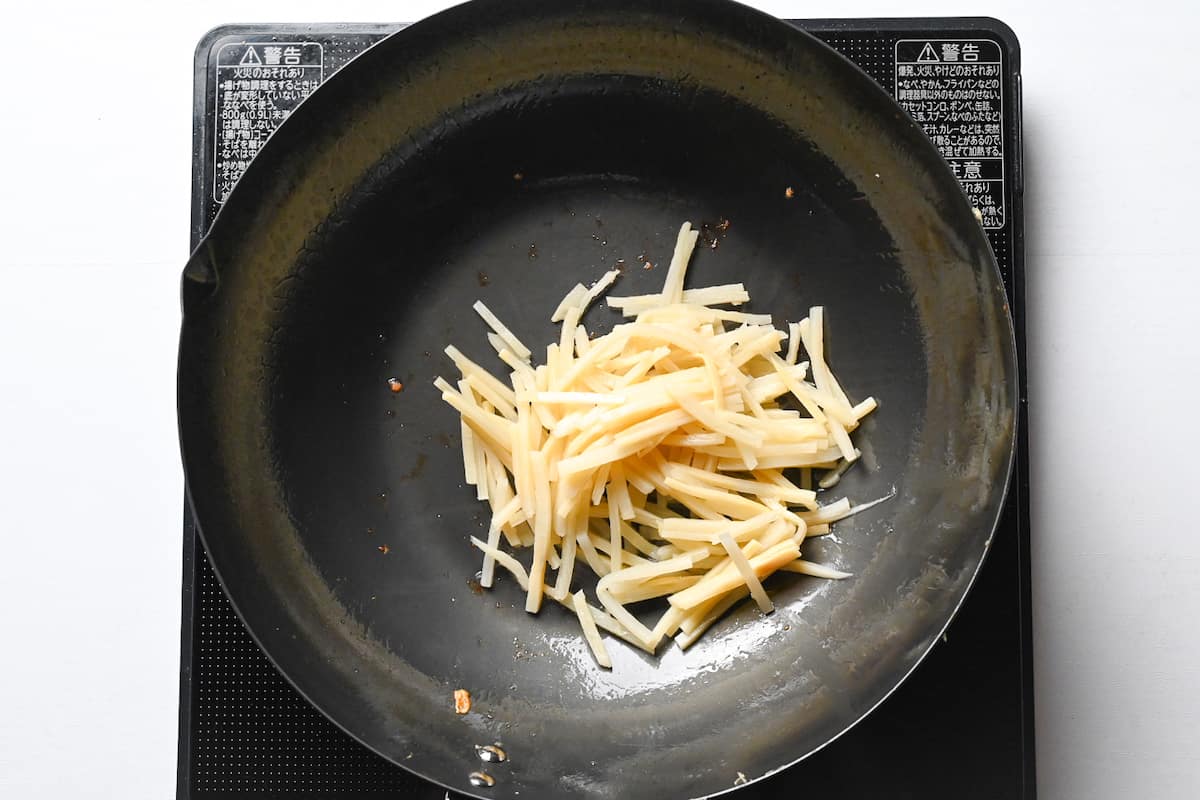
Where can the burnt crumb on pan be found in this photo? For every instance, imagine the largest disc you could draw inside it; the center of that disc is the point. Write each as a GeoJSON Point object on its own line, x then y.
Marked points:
{"type": "Point", "coordinates": [395, 385]}
{"type": "Point", "coordinates": [647, 265]}
{"type": "Point", "coordinates": [483, 279]}
{"type": "Point", "coordinates": [712, 233]}
{"type": "Point", "coordinates": [789, 193]}
{"type": "Point", "coordinates": [383, 548]}
{"type": "Point", "coordinates": [462, 701]}
{"type": "Point", "coordinates": [370, 530]}
{"type": "Point", "coordinates": [620, 265]}
{"type": "Point", "coordinates": [533, 253]}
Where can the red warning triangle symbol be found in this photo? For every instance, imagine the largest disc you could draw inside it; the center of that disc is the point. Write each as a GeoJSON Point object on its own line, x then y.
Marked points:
{"type": "Point", "coordinates": [928, 56]}
{"type": "Point", "coordinates": [251, 57]}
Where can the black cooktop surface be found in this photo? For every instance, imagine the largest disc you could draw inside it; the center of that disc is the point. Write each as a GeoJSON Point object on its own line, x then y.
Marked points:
{"type": "Point", "coordinates": [960, 727]}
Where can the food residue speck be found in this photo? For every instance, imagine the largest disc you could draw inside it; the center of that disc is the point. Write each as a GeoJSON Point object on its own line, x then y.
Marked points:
{"type": "Point", "coordinates": [462, 701]}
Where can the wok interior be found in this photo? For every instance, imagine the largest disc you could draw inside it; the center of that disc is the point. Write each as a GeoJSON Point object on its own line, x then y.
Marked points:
{"type": "Point", "coordinates": [608, 168]}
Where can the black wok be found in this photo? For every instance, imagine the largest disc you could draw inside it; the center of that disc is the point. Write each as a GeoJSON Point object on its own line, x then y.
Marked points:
{"type": "Point", "coordinates": [505, 151]}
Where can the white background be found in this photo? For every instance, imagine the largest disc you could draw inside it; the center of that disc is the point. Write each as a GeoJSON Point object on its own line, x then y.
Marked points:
{"type": "Point", "coordinates": [95, 127]}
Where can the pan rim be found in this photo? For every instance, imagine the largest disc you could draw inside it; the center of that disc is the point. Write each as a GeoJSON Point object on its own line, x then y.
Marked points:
{"type": "Point", "coordinates": [446, 18]}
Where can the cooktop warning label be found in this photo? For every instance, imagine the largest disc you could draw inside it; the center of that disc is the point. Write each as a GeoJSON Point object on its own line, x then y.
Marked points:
{"type": "Point", "coordinates": [954, 89]}
{"type": "Point", "coordinates": [257, 86]}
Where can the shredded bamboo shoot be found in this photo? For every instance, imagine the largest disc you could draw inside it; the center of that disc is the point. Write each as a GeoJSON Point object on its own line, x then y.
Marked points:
{"type": "Point", "coordinates": [655, 456]}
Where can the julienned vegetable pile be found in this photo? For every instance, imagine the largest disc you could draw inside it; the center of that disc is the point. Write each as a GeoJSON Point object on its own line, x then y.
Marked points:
{"type": "Point", "coordinates": [674, 456]}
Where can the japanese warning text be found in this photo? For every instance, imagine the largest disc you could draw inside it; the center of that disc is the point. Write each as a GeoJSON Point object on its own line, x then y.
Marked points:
{"type": "Point", "coordinates": [257, 86]}
{"type": "Point", "coordinates": [955, 90]}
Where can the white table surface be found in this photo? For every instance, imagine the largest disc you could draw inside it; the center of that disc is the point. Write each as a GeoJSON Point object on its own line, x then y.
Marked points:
{"type": "Point", "coordinates": [95, 138]}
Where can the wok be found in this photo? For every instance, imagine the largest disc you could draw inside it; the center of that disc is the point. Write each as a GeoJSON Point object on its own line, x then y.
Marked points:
{"type": "Point", "coordinates": [504, 151]}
